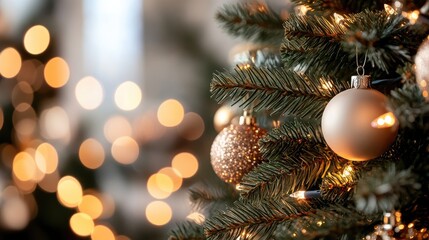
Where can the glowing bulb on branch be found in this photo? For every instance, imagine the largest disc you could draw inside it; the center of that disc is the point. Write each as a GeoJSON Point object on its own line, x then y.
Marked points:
{"type": "Point", "coordinates": [339, 19]}
{"type": "Point", "coordinates": [389, 9]}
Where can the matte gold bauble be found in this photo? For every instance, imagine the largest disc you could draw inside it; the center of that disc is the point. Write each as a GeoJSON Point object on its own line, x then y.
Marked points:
{"type": "Point", "coordinates": [348, 124]}
{"type": "Point", "coordinates": [422, 69]}
{"type": "Point", "coordinates": [235, 150]}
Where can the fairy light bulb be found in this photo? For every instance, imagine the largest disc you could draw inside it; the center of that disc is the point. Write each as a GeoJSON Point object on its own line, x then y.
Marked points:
{"type": "Point", "coordinates": [339, 19]}
{"type": "Point", "coordinates": [298, 195]}
{"type": "Point", "coordinates": [389, 9]}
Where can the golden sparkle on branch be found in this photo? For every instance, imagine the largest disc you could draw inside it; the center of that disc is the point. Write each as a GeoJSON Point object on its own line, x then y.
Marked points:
{"type": "Point", "coordinates": [339, 19]}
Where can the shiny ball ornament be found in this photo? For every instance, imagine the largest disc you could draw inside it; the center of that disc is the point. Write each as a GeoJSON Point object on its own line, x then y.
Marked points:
{"type": "Point", "coordinates": [422, 70]}
{"type": "Point", "coordinates": [235, 150]}
{"type": "Point", "coordinates": [357, 125]}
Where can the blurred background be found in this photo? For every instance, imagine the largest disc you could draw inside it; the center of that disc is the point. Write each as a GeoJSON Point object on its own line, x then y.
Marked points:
{"type": "Point", "coordinates": [105, 116]}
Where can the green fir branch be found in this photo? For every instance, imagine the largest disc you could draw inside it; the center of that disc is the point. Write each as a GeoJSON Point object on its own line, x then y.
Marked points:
{"type": "Point", "coordinates": [386, 39]}
{"type": "Point", "coordinates": [251, 21]}
{"type": "Point", "coordinates": [327, 223]}
{"type": "Point", "coordinates": [342, 6]}
{"type": "Point", "coordinates": [410, 107]}
{"type": "Point", "coordinates": [290, 136]}
{"type": "Point", "coordinates": [208, 198]}
{"type": "Point", "coordinates": [256, 221]}
{"type": "Point", "coordinates": [280, 90]}
{"type": "Point", "coordinates": [386, 189]}
{"type": "Point", "coordinates": [187, 230]}
{"type": "Point", "coordinates": [312, 44]}
{"type": "Point", "coordinates": [274, 179]}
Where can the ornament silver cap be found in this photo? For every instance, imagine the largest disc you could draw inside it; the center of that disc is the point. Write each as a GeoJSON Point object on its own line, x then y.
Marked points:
{"type": "Point", "coordinates": [247, 118]}
{"type": "Point", "coordinates": [361, 81]}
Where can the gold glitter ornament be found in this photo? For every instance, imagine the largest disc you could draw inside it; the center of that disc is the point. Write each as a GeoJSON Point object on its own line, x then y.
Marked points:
{"type": "Point", "coordinates": [235, 150]}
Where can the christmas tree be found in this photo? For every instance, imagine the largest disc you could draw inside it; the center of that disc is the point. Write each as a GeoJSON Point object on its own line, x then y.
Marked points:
{"type": "Point", "coordinates": [344, 160]}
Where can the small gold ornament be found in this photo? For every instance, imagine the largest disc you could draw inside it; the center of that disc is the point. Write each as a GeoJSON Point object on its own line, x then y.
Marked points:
{"type": "Point", "coordinates": [422, 70]}
{"type": "Point", "coordinates": [235, 150]}
{"type": "Point", "coordinates": [356, 123]}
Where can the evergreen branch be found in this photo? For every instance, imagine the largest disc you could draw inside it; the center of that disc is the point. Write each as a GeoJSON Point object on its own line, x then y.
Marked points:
{"type": "Point", "coordinates": [253, 21]}
{"type": "Point", "coordinates": [410, 107]}
{"type": "Point", "coordinates": [274, 179]}
{"type": "Point", "coordinates": [290, 136]}
{"type": "Point", "coordinates": [313, 27]}
{"type": "Point", "coordinates": [314, 56]}
{"type": "Point", "coordinates": [329, 7]}
{"type": "Point", "coordinates": [387, 39]}
{"type": "Point", "coordinates": [206, 198]}
{"type": "Point", "coordinates": [187, 230]}
{"type": "Point", "coordinates": [256, 221]}
{"type": "Point", "coordinates": [327, 223]}
{"type": "Point", "coordinates": [280, 90]}
{"type": "Point", "coordinates": [386, 189]}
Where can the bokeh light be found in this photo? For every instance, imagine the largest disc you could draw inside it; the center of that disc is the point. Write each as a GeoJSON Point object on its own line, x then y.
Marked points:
{"type": "Point", "coordinates": [10, 62]}
{"type": "Point", "coordinates": [89, 93]}
{"type": "Point", "coordinates": [170, 113]}
{"type": "Point", "coordinates": [115, 127]}
{"type": "Point", "coordinates": [91, 153]}
{"type": "Point", "coordinates": [50, 182]}
{"type": "Point", "coordinates": [36, 39]}
{"type": "Point", "coordinates": [24, 186]}
{"type": "Point", "coordinates": [14, 213]}
{"type": "Point", "coordinates": [69, 191]}
{"type": "Point", "coordinates": [55, 123]}
{"type": "Point", "coordinates": [186, 164]}
{"type": "Point", "coordinates": [128, 96]}
{"type": "Point", "coordinates": [192, 126]}
{"type": "Point", "coordinates": [82, 224]}
{"type": "Point", "coordinates": [125, 150]}
{"type": "Point", "coordinates": [158, 213]}
{"type": "Point", "coordinates": [160, 186]}
{"type": "Point", "coordinates": [46, 157]}
{"type": "Point", "coordinates": [147, 128]}
{"type": "Point", "coordinates": [24, 166]}
{"type": "Point", "coordinates": [32, 73]}
{"type": "Point", "coordinates": [22, 96]}
{"type": "Point", "coordinates": [91, 205]}
{"type": "Point", "coordinates": [174, 175]}
{"type": "Point", "coordinates": [102, 232]}
{"type": "Point", "coordinates": [8, 152]}
{"type": "Point", "coordinates": [56, 72]}
{"type": "Point", "coordinates": [24, 121]}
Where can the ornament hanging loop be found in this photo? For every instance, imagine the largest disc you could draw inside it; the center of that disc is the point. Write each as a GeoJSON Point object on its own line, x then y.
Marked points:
{"type": "Point", "coordinates": [360, 69]}
{"type": "Point", "coordinates": [361, 80]}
